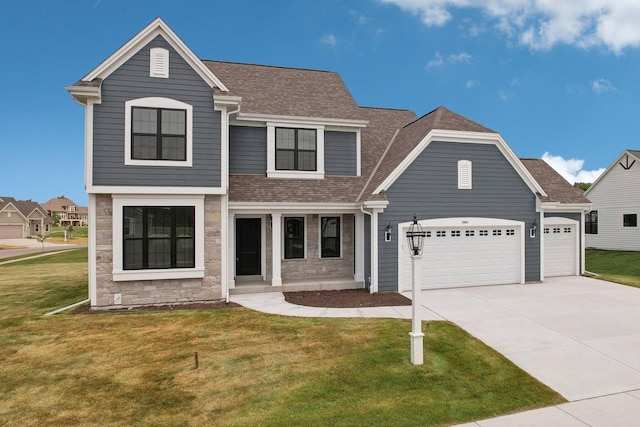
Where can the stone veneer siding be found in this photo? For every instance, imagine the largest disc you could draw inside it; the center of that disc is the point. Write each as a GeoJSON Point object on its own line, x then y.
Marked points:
{"type": "Point", "coordinates": [314, 267]}
{"type": "Point", "coordinates": [157, 292]}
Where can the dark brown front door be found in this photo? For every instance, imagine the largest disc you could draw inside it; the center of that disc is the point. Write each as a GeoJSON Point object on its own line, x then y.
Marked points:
{"type": "Point", "coordinates": [248, 247]}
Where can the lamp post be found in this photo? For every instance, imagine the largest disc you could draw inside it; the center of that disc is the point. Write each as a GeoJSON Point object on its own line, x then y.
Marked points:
{"type": "Point", "coordinates": [415, 239]}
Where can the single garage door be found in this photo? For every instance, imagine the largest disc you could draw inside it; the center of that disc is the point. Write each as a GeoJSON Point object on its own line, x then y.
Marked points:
{"type": "Point", "coordinates": [10, 232]}
{"type": "Point", "coordinates": [560, 247]}
{"type": "Point", "coordinates": [480, 252]}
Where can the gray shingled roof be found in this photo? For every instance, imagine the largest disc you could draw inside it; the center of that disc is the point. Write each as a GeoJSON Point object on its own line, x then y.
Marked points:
{"type": "Point", "coordinates": [286, 91]}
{"type": "Point", "coordinates": [635, 153]}
{"type": "Point", "coordinates": [24, 206]}
{"type": "Point", "coordinates": [557, 188]}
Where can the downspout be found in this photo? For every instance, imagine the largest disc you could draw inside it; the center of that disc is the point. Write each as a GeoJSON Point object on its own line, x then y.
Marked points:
{"type": "Point", "coordinates": [371, 242]}
{"type": "Point", "coordinates": [226, 216]}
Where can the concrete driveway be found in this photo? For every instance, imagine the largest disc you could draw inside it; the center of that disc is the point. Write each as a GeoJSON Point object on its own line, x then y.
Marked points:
{"type": "Point", "coordinates": [579, 336]}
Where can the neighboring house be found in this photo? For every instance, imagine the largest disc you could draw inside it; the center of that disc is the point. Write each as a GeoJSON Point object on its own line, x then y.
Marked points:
{"type": "Point", "coordinates": [68, 212]}
{"type": "Point", "coordinates": [613, 221]}
{"type": "Point", "coordinates": [20, 219]}
{"type": "Point", "coordinates": [207, 178]}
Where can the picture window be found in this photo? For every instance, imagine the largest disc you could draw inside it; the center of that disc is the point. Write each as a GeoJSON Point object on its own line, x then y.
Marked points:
{"type": "Point", "coordinates": [294, 237]}
{"type": "Point", "coordinates": [330, 237]}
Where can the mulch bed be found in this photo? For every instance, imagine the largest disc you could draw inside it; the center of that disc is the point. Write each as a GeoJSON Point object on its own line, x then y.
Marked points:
{"type": "Point", "coordinates": [350, 298]}
{"type": "Point", "coordinates": [85, 309]}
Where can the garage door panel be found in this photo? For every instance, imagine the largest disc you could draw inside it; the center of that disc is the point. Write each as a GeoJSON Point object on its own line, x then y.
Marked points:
{"type": "Point", "coordinates": [10, 232]}
{"type": "Point", "coordinates": [560, 251]}
{"type": "Point", "coordinates": [467, 256]}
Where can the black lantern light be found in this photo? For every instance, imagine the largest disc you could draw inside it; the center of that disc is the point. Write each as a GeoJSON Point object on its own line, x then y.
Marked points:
{"type": "Point", "coordinates": [415, 237]}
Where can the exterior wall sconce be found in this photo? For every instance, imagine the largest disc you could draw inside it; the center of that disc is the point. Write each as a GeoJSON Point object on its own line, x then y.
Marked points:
{"type": "Point", "coordinates": [532, 230]}
{"type": "Point", "coordinates": [387, 233]}
{"type": "Point", "coordinates": [415, 239]}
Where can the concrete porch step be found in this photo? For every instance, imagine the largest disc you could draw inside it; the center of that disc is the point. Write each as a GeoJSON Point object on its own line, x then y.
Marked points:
{"type": "Point", "coordinates": [295, 286]}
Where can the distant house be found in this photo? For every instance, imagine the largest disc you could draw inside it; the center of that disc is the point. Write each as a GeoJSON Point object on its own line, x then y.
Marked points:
{"type": "Point", "coordinates": [20, 219]}
{"type": "Point", "coordinates": [68, 212]}
{"type": "Point", "coordinates": [613, 221]}
{"type": "Point", "coordinates": [207, 178]}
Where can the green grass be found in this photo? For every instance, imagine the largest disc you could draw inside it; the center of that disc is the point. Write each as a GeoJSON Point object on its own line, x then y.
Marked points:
{"type": "Point", "coordinates": [137, 368]}
{"type": "Point", "coordinates": [77, 231]}
{"type": "Point", "coordinates": [615, 266]}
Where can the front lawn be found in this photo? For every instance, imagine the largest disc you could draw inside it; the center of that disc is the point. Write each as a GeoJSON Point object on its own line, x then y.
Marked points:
{"type": "Point", "coordinates": [615, 266]}
{"type": "Point", "coordinates": [138, 368]}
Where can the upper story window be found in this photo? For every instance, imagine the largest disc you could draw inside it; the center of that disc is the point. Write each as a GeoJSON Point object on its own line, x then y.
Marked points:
{"type": "Point", "coordinates": [296, 149]}
{"type": "Point", "coordinates": [158, 132]}
{"type": "Point", "coordinates": [591, 223]}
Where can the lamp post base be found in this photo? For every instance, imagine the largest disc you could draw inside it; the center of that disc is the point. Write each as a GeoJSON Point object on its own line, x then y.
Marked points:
{"type": "Point", "coordinates": [417, 354]}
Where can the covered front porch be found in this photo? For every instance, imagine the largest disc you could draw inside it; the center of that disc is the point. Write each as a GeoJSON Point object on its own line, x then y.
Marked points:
{"type": "Point", "coordinates": [295, 248]}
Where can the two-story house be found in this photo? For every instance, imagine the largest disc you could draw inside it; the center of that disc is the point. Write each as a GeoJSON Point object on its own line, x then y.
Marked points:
{"type": "Point", "coordinates": [67, 211]}
{"type": "Point", "coordinates": [209, 177]}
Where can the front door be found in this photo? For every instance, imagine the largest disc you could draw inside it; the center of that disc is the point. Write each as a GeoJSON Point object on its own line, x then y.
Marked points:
{"type": "Point", "coordinates": [248, 247]}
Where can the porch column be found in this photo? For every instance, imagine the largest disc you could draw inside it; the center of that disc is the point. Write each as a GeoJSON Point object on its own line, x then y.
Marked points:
{"type": "Point", "coordinates": [359, 247]}
{"type": "Point", "coordinates": [276, 249]}
{"type": "Point", "coordinates": [231, 250]}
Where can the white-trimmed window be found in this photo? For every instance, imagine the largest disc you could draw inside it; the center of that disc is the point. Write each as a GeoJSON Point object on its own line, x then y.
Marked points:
{"type": "Point", "coordinates": [294, 237]}
{"type": "Point", "coordinates": [295, 151]}
{"type": "Point", "coordinates": [159, 63]}
{"type": "Point", "coordinates": [158, 237]}
{"type": "Point", "coordinates": [158, 132]}
{"type": "Point", "coordinates": [330, 236]}
{"type": "Point", "coordinates": [464, 175]}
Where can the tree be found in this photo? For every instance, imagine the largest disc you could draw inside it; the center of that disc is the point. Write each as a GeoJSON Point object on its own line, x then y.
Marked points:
{"type": "Point", "coordinates": [582, 185]}
{"type": "Point", "coordinates": [70, 231]}
{"type": "Point", "coordinates": [56, 218]}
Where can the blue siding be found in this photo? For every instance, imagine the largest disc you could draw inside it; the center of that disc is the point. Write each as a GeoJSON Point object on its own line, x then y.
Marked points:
{"type": "Point", "coordinates": [340, 153]}
{"type": "Point", "coordinates": [132, 81]}
{"type": "Point", "coordinates": [429, 188]}
{"type": "Point", "coordinates": [247, 149]}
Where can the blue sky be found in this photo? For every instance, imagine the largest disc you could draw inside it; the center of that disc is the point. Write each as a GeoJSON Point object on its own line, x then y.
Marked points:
{"type": "Point", "coordinates": [551, 77]}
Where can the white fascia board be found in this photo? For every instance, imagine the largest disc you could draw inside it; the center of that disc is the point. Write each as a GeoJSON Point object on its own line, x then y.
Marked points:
{"type": "Point", "coordinates": [375, 204]}
{"type": "Point", "coordinates": [114, 189]}
{"type": "Point", "coordinates": [463, 137]}
{"type": "Point", "coordinates": [292, 208]}
{"type": "Point", "coordinates": [565, 207]}
{"type": "Point", "coordinates": [155, 28]}
{"type": "Point", "coordinates": [82, 93]}
{"type": "Point", "coordinates": [295, 120]}
{"type": "Point", "coordinates": [611, 166]}
{"type": "Point", "coordinates": [227, 100]}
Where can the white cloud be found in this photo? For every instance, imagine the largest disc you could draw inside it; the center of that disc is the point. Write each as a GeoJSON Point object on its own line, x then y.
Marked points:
{"type": "Point", "coordinates": [470, 83]}
{"type": "Point", "coordinates": [329, 40]}
{"type": "Point", "coordinates": [505, 95]}
{"type": "Point", "coordinates": [454, 58]}
{"type": "Point", "coordinates": [601, 86]}
{"type": "Point", "coordinates": [571, 169]}
{"type": "Point", "coordinates": [542, 24]}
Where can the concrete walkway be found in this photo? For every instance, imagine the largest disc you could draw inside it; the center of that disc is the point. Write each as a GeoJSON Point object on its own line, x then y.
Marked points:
{"type": "Point", "coordinates": [579, 336]}
{"type": "Point", "coordinates": [32, 246]}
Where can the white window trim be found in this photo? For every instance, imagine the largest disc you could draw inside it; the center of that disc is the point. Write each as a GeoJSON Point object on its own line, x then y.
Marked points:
{"type": "Point", "coordinates": [155, 54]}
{"type": "Point", "coordinates": [284, 229]}
{"type": "Point", "coordinates": [272, 172]}
{"type": "Point", "coordinates": [465, 175]}
{"type": "Point", "coordinates": [120, 201]}
{"type": "Point", "coordinates": [156, 102]}
{"type": "Point", "coordinates": [320, 235]}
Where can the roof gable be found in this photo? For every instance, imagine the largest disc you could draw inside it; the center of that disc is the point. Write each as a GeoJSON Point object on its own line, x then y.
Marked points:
{"type": "Point", "coordinates": [443, 125]}
{"type": "Point", "coordinates": [151, 31]}
{"type": "Point", "coordinates": [635, 156]}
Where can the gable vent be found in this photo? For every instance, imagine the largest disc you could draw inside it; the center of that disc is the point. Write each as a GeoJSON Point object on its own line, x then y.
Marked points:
{"type": "Point", "coordinates": [464, 174]}
{"type": "Point", "coordinates": [159, 63]}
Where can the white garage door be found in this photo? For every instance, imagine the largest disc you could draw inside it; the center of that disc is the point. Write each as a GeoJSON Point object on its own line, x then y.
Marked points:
{"type": "Point", "coordinates": [10, 232]}
{"type": "Point", "coordinates": [560, 247]}
{"type": "Point", "coordinates": [478, 253]}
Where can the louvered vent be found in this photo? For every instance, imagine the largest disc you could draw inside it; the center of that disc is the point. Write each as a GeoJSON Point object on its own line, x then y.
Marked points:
{"type": "Point", "coordinates": [464, 174]}
{"type": "Point", "coordinates": [159, 63]}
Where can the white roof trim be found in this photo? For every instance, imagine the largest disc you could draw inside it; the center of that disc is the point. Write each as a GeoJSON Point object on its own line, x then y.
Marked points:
{"type": "Point", "coordinates": [15, 210]}
{"type": "Point", "coordinates": [155, 28]}
{"type": "Point", "coordinates": [466, 137]}
{"type": "Point", "coordinates": [302, 120]}
{"type": "Point", "coordinates": [293, 208]}
{"type": "Point", "coordinates": [565, 207]}
{"type": "Point", "coordinates": [611, 166]}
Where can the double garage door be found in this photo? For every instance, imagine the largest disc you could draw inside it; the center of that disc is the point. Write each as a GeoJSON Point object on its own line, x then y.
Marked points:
{"type": "Point", "coordinates": [479, 251]}
{"type": "Point", "coordinates": [483, 251]}
{"type": "Point", "coordinates": [10, 232]}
